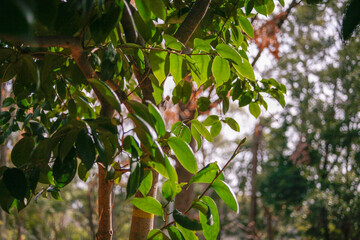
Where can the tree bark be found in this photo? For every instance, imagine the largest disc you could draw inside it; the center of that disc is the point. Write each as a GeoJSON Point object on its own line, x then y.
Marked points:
{"type": "Point", "coordinates": [269, 226]}
{"type": "Point", "coordinates": [255, 150]}
{"type": "Point", "coordinates": [104, 231]}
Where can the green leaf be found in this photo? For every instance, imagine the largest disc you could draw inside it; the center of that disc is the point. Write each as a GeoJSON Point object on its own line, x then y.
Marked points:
{"type": "Point", "coordinates": [143, 7]}
{"type": "Point", "coordinates": [221, 70]}
{"type": "Point", "coordinates": [254, 109]}
{"type": "Point", "coordinates": [246, 26]}
{"type": "Point", "coordinates": [204, 68]}
{"type": "Point", "coordinates": [201, 129]}
{"type": "Point", "coordinates": [200, 44]}
{"type": "Point", "coordinates": [182, 131]}
{"type": "Point", "coordinates": [183, 153]}
{"type": "Point", "coordinates": [173, 43]}
{"type": "Point", "coordinates": [186, 222]}
{"type": "Point", "coordinates": [210, 231]}
{"type": "Point", "coordinates": [176, 67]}
{"type": "Point", "coordinates": [34, 176]}
{"type": "Point", "coordinates": [211, 120]}
{"type": "Point", "coordinates": [83, 172]}
{"type": "Point", "coordinates": [233, 124]}
{"type": "Point", "coordinates": [206, 174]}
{"type": "Point", "coordinates": [230, 53]}
{"type": "Point", "coordinates": [158, 8]}
{"type": "Point", "coordinates": [351, 19]}
{"type": "Point", "coordinates": [282, 2]}
{"type": "Point", "coordinates": [175, 233]}
{"type": "Point", "coordinates": [204, 208]}
{"type": "Point", "coordinates": [20, 154]}
{"type": "Point", "coordinates": [85, 149]}
{"type": "Point", "coordinates": [159, 121]}
{"type": "Point", "coordinates": [245, 69]}
{"type": "Point", "coordinates": [8, 102]}
{"type": "Point", "coordinates": [15, 182]}
{"type": "Point", "coordinates": [72, 108]}
{"type": "Point", "coordinates": [168, 190]}
{"type": "Point", "coordinates": [64, 171]}
{"type": "Point", "coordinates": [215, 129]}
{"type": "Point", "coordinates": [67, 142]}
{"type": "Point", "coordinates": [226, 194]}
{"type": "Point", "coordinates": [136, 175]}
{"type": "Point", "coordinates": [109, 95]}
{"type": "Point", "coordinates": [101, 26]}
{"type": "Point", "coordinates": [142, 111]}
{"type": "Point", "coordinates": [148, 204]}
{"type": "Point", "coordinates": [156, 234]}
{"type": "Point", "coordinates": [195, 71]}
{"type": "Point", "coordinates": [6, 199]}
{"type": "Point", "coordinates": [4, 117]}
{"type": "Point", "coordinates": [146, 183]}
{"type": "Point", "coordinates": [188, 234]}
{"type": "Point", "coordinates": [249, 5]}
{"type": "Point", "coordinates": [203, 104]}
{"type": "Point", "coordinates": [159, 64]}
{"type": "Point", "coordinates": [197, 136]}
{"type": "Point", "coordinates": [108, 65]}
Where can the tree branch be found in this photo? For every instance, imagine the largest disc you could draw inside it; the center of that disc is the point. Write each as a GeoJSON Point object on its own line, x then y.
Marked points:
{"type": "Point", "coordinates": [192, 20]}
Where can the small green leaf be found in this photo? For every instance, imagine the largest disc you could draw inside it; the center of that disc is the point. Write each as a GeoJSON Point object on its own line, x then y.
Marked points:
{"type": "Point", "coordinates": [233, 124]}
{"type": "Point", "coordinates": [109, 95]}
{"type": "Point", "coordinates": [282, 2]}
{"type": "Point", "coordinates": [4, 117]}
{"type": "Point", "coordinates": [85, 149]}
{"type": "Point", "coordinates": [64, 171]}
{"type": "Point", "coordinates": [146, 183]}
{"type": "Point", "coordinates": [176, 67]}
{"type": "Point", "coordinates": [8, 102]}
{"type": "Point", "coordinates": [183, 153]}
{"type": "Point", "coordinates": [109, 63]}
{"type": "Point", "coordinates": [246, 26]}
{"type": "Point", "coordinates": [168, 190]}
{"type": "Point", "coordinates": [182, 131]}
{"type": "Point", "coordinates": [245, 69]}
{"type": "Point", "coordinates": [188, 234]}
{"type": "Point", "coordinates": [20, 154]}
{"type": "Point", "coordinates": [221, 70]}
{"type": "Point", "coordinates": [201, 129]}
{"type": "Point", "coordinates": [175, 233]}
{"type": "Point", "coordinates": [159, 64]}
{"type": "Point", "coordinates": [159, 121]}
{"type": "Point", "coordinates": [203, 104]}
{"type": "Point", "coordinates": [143, 7]}
{"type": "Point", "coordinates": [249, 5]}
{"type": "Point", "coordinates": [72, 108]}
{"type": "Point", "coordinates": [148, 204]}
{"type": "Point", "coordinates": [136, 175]}
{"type": "Point", "coordinates": [158, 8]}
{"type": "Point", "coordinates": [351, 19]}
{"type": "Point", "coordinates": [173, 43]}
{"type": "Point", "coordinates": [211, 120]}
{"type": "Point", "coordinates": [186, 222]}
{"type": "Point", "coordinates": [215, 129]}
{"type": "Point", "coordinates": [6, 199]}
{"type": "Point", "coordinates": [206, 174]}
{"type": "Point", "coordinates": [203, 64]}
{"type": "Point", "coordinates": [210, 231]}
{"type": "Point", "coordinates": [254, 109]}
{"type": "Point", "coordinates": [226, 194]}
{"type": "Point", "coordinates": [197, 136]}
{"type": "Point", "coordinates": [15, 182]}
{"type": "Point", "coordinates": [157, 234]}
{"type": "Point", "coordinates": [200, 44]}
{"type": "Point", "coordinates": [83, 173]}
{"type": "Point", "coordinates": [229, 52]}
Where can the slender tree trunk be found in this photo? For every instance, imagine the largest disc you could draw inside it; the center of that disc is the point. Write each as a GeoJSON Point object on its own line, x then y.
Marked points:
{"type": "Point", "coordinates": [105, 206]}
{"type": "Point", "coordinates": [253, 206]}
{"type": "Point", "coordinates": [142, 222]}
{"type": "Point", "coordinates": [91, 210]}
{"type": "Point", "coordinates": [269, 226]}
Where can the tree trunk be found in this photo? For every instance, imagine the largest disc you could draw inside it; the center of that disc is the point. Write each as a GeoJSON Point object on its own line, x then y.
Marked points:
{"type": "Point", "coordinates": [253, 206]}
{"type": "Point", "coordinates": [269, 226]}
{"type": "Point", "coordinates": [91, 210]}
{"type": "Point", "coordinates": [105, 206]}
{"type": "Point", "coordinates": [3, 162]}
{"type": "Point", "coordinates": [142, 222]}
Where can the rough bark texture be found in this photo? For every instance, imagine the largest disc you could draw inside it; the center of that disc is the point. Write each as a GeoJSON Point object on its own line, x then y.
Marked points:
{"type": "Point", "coordinates": [254, 163]}
{"type": "Point", "coordinates": [104, 231]}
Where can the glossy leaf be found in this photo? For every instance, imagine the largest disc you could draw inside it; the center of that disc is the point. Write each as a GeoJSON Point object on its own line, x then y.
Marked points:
{"type": "Point", "coordinates": [221, 70]}
{"type": "Point", "coordinates": [245, 69]}
{"type": "Point", "coordinates": [233, 124]}
{"type": "Point", "coordinates": [175, 233]}
{"type": "Point", "coordinates": [211, 120]}
{"type": "Point", "coordinates": [64, 170]}
{"type": "Point", "coordinates": [351, 19]}
{"type": "Point", "coordinates": [136, 175]}
{"type": "Point", "coordinates": [188, 234]}
{"type": "Point", "coordinates": [201, 129]}
{"type": "Point", "coordinates": [159, 66]}
{"type": "Point", "coordinates": [182, 131]}
{"type": "Point", "coordinates": [156, 234]}
{"type": "Point", "coordinates": [85, 149]}
{"type": "Point", "coordinates": [146, 183]}
{"type": "Point", "coordinates": [226, 194]}
{"type": "Point", "coordinates": [210, 231]}
{"type": "Point", "coordinates": [158, 8]}
{"type": "Point", "coordinates": [215, 129]}
{"type": "Point", "coordinates": [83, 172]}
{"type": "Point", "coordinates": [16, 183]}
{"type": "Point", "coordinates": [183, 153]}
{"type": "Point", "coordinates": [230, 53]}
{"type": "Point", "coordinates": [254, 109]}
{"type": "Point", "coordinates": [206, 174]}
{"type": "Point", "coordinates": [148, 204]}
{"type": "Point", "coordinates": [186, 222]}
{"type": "Point", "coordinates": [109, 95]}
{"type": "Point", "coordinates": [159, 121]}
{"type": "Point", "coordinates": [20, 154]}
{"type": "Point", "coordinates": [176, 67]}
